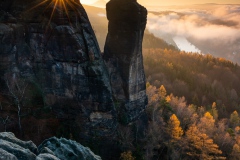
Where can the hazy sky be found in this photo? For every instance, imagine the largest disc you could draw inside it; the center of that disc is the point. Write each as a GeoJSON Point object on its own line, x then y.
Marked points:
{"type": "Point", "coordinates": [174, 2]}
{"type": "Point", "coordinates": [184, 2]}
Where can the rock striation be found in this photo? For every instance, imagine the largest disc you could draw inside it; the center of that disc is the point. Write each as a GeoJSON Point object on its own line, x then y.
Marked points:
{"type": "Point", "coordinates": [123, 56]}
{"type": "Point", "coordinates": [67, 149]}
{"type": "Point", "coordinates": [12, 148]}
{"type": "Point", "coordinates": [51, 45]}
{"type": "Point", "coordinates": [49, 53]}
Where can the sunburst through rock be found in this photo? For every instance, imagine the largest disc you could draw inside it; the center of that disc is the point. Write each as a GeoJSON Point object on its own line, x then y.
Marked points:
{"type": "Point", "coordinates": [58, 8]}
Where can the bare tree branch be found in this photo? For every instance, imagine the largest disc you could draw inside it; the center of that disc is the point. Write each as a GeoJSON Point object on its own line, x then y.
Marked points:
{"type": "Point", "coordinates": [17, 91]}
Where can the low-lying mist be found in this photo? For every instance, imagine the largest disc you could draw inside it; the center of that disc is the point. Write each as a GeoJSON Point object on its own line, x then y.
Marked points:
{"type": "Point", "coordinates": [214, 30]}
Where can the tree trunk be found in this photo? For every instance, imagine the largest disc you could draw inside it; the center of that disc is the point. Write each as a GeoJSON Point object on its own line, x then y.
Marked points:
{"type": "Point", "coordinates": [19, 118]}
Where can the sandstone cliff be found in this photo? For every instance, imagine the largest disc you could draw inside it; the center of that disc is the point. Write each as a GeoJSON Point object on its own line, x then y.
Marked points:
{"type": "Point", "coordinates": [123, 54]}
{"type": "Point", "coordinates": [51, 45]}
{"type": "Point", "coordinates": [54, 81]}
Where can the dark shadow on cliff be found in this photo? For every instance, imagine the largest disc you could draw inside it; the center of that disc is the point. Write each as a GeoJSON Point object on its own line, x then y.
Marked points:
{"type": "Point", "coordinates": [54, 81]}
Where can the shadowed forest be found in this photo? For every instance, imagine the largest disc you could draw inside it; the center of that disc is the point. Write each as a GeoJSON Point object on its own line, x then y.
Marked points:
{"type": "Point", "coordinates": [193, 105]}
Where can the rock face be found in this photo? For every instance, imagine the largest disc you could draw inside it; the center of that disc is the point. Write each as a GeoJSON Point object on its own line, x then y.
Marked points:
{"type": "Point", "coordinates": [51, 45]}
{"type": "Point", "coordinates": [50, 62]}
{"type": "Point", "coordinates": [12, 148]}
{"type": "Point", "coordinates": [123, 55]}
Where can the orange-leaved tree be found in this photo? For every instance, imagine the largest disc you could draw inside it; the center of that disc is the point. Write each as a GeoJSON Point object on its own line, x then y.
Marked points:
{"type": "Point", "coordinates": [173, 128]}
{"type": "Point", "coordinates": [200, 146]}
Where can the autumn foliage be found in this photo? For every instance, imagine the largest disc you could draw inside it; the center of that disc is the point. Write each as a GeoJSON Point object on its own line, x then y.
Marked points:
{"type": "Point", "coordinates": [178, 130]}
{"type": "Point", "coordinates": [193, 106]}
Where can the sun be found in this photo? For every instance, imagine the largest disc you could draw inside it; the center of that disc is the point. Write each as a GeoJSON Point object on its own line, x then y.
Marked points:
{"type": "Point", "coordinates": [63, 5]}
{"type": "Point", "coordinates": [60, 8]}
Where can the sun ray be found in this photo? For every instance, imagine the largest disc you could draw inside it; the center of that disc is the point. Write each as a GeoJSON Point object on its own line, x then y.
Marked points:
{"type": "Point", "coordinates": [74, 8]}
{"type": "Point", "coordinates": [48, 6]}
{"type": "Point", "coordinates": [76, 3]}
{"type": "Point", "coordinates": [71, 5]}
{"type": "Point", "coordinates": [38, 5]}
{"type": "Point", "coordinates": [54, 8]}
{"type": "Point", "coordinates": [66, 11]}
{"type": "Point", "coordinates": [65, 8]}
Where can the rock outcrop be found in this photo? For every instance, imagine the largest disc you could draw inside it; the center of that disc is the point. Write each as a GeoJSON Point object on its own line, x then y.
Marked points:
{"type": "Point", "coordinates": [67, 149]}
{"type": "Point", "coordinates": [53, 79]}
{"type": "Point", "coordinates": [51, 45]}
{"type": "Point", "coordinates": [123, 55]}
{"type": "Point", "coordinates": [12, 148]}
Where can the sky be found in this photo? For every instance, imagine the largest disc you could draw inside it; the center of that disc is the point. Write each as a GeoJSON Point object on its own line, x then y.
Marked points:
{"type": "Point", "coordinates": [199, 28]}
{"type": "Point", "coordinates": [215, 30]}
{"type": "Point", "coordinates": [174, 2]}
{"type": "Point", "coordinates": [221, 23]}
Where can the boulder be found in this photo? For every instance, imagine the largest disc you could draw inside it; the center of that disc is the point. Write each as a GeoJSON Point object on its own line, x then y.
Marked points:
{"type": "Point", "coordinates": [12, 148]}
{"type": "Point", "coordinates": [6, 155]}
{"type": "Point", "coordinates": [46, 156]}
{"type": "Point", "coordinates": [68, 149]}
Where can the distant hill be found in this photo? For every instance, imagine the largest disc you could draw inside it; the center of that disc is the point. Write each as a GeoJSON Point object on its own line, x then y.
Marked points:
{"type": "Point", "coordinates": [201, 79]}
{"type": "Point", "coordinates": [151, 41]}
{"type": "Point", "coordinates": [99, 22]}
{"type": "Point", "coordinates": [172, 17]}
{"type": "Point", "coordinates": [218, 35]}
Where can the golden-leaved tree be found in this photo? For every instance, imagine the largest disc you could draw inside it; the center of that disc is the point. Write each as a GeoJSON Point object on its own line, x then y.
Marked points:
{"type": "Point", "coordinates": [127, 156]}
{"type": "Point", "coordinates": [234, 119]}
{"type": "Point", "coordinates": [174, 129]}
{"type": "Point", "coordinates": [162, 92]}
{"type": "Point", "coordinates": [175, 133]}
{"type": "Point", "coordinates": [235, 155]}
{"type": "Point", "coordinates": [200, 146]}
